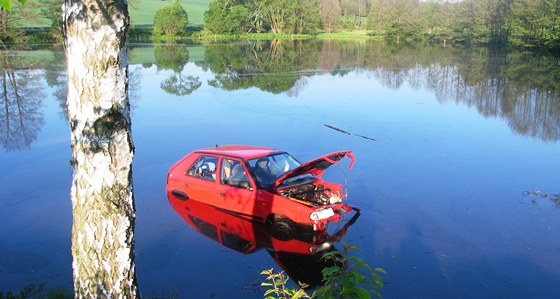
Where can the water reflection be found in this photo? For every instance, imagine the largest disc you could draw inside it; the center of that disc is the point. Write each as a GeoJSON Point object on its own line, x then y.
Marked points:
{"type": "Point", "coordinates": [21, 98]}
{"type": "Point", "coordinates": [523, 90]}
{"type": "Point", "coordinates": [174, 57]}
{"type": "Point", "coordinates": [299, 253]}
{"type": "Point", "coordinates": [520, 89]}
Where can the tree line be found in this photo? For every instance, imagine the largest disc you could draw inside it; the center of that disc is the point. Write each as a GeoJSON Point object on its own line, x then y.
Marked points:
{"type": "Point", "coordinates": [520, 23]}
{"type": "Point", "coordinates": [532, 24]}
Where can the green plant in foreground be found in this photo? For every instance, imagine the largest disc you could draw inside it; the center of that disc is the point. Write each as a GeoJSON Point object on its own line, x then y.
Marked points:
{"type": "Point", "coordinates": [37, 291]}
{"type": "Point", "coordinates": [347, 277]}
{"type": "Point", "coordinates": [277, 287]}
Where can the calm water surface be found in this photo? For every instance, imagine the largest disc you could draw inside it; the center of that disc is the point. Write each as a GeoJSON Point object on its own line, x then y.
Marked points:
{"type": "Point", "coordinates": [461, 137]}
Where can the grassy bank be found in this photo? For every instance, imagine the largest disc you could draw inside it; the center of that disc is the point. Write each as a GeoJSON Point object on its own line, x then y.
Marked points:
{"type": "Point", "coordinates": [202, 36]}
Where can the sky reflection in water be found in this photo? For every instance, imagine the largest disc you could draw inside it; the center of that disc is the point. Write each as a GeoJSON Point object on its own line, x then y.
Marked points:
{"type": "Point", "coordinates": [441, 188]}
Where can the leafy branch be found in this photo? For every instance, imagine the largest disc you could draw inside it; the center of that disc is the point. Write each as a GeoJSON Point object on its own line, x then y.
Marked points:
{"type": "Point", "coordinates": [347, 277]}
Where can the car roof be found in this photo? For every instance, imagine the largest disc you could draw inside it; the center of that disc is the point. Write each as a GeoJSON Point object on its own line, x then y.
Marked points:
{"type": "Point", "coordinates": [246, 152]}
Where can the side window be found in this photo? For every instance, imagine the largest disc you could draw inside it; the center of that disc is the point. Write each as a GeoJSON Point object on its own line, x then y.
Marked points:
{"type": "Point", "coordinates": [204, 168]}
{"type": "Point", "coordinates": [233, 173]}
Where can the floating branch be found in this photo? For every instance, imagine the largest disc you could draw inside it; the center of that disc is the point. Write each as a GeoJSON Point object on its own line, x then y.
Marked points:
{"type": "Point", "coordinates": [338, 129]}
{"type": "Point", "coordinates": [348, 133]}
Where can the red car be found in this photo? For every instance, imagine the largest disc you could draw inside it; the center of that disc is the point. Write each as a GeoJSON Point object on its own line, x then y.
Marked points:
{"type": "Point", "coordinates": [261, 184]}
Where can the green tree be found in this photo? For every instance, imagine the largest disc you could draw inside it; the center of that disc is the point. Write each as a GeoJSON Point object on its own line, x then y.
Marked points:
{"type": "Point", "coordinates": [308, 16]}
{"type": "Point", "coordinates": [52, 10]}
{"type": "Point", "coordinates": [470, 23]}
{"type": "Point", "coordinates": [281, 15]}
{"type": "Point", "coordinates": [227, 17]}
{"type": "Point", "coordinates": [534, 24]}
{"type": "Point", "coordinates": [171, 19]}
{"type": "Point", "coordinates": [7, 32]}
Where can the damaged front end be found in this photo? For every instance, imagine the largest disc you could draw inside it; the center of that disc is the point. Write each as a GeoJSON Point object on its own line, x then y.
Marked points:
{"type": "Point", "coordinates": [305, 185]}
{"type": "Point", "coordinates": [311, 189]}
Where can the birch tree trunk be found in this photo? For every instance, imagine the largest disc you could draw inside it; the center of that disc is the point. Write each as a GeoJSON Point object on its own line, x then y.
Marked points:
{"type": "Point", "coordinates": [102, 149]}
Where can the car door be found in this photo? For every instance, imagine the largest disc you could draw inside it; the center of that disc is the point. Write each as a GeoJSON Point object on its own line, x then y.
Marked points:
{"type": "Point", "coordinates": [201, 179]}
{"type": "Point", "coordinates": [236, 190]}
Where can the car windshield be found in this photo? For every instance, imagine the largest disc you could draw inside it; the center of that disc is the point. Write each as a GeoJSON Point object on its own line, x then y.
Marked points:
{"type": "Point", "coordinates": [269, 169]}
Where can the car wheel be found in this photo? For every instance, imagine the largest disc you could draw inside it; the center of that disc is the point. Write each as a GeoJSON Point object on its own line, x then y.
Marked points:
{"type": "Point", "coordinates": [281, 228]}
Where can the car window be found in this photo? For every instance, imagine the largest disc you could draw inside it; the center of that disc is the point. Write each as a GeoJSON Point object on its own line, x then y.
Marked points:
{"type": "Point", "coordinates": [204, 168]}
{"type": "Point", "coordinates": [268, 169]}
{"type": "Point", "coordinates": [233, 173]}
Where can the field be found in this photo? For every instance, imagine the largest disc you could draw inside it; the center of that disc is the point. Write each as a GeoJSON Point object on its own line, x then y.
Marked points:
{"type": "Point", "coordinates": [143, 11]}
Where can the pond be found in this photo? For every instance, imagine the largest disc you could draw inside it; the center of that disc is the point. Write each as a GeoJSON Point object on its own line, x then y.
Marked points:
{"type": "Point", "coordinates": [456, 172]}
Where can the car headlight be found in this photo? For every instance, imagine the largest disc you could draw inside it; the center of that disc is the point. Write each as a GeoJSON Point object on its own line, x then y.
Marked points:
{"type": "Point", "coordinates": [321, 214]}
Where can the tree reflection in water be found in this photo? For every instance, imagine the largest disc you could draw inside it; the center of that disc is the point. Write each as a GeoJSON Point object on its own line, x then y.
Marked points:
{"type": "Point", "coordinates": [21, 99]}
{"type": "Point", "coordinates": [174, 57]}
{"type": "Point", "coordinates": [521, 89]}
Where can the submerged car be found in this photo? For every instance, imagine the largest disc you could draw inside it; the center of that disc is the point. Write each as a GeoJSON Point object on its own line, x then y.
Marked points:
{"type": "Point", "coordinates": [261, 184]}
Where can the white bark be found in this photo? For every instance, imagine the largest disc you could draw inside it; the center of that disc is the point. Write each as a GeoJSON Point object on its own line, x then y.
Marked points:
{"type": "Point", "coordinates": [102, 150]}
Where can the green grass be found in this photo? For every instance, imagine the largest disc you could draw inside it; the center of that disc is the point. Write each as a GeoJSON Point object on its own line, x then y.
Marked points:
{"type": "Point", "coordinates": [142, 11]}
{"type": "Point", "coordinates": [356, 34]}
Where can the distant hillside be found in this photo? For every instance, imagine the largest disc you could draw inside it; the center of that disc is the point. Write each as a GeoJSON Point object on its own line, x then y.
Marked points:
{"type": "Point", "coordinates": [143, 11]}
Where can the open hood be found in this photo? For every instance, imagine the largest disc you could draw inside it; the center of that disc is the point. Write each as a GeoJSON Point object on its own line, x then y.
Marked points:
{"type": "Point", "coordinates": [317, 166]}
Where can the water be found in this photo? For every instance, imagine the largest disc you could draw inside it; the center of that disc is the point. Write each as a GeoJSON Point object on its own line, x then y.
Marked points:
{"type": "Point", "coordinates": [460, 137]}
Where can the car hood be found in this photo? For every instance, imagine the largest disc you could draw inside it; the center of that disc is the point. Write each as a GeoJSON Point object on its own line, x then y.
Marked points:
{"type": "Point", "coordinates": [317, 166]}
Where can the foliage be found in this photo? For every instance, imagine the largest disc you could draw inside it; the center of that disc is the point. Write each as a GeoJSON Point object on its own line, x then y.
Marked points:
{"type": "Point", "coordinates": [308, 18]}
{"type": "Point", "coordinates": [278, 289]}
{"type": "Point", "coordinates": [228, 17]}
{"type": "Point", "coordinates": [37, 290]}
{"type": "Point", "coordinates": [535, 24]}
{"type": "Point", "coordinates": [171, 19]}
{"type": "Point", "coordinates": [275, 16]}
{"type": "Point", "coordinates": [280, 15]}
{"type": "Point", "coordinates": [26, 292]}
{"type": "Point", "coordinates": [143, 12]}
{"type": "Point", "coordinates": [349, 277]}
{"type": "Point", "coordinates": [8, 4]}
{"type": "Point", "coordinates": [52, 10]}
{"type": "Point", "coordinates": [346, 277]}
